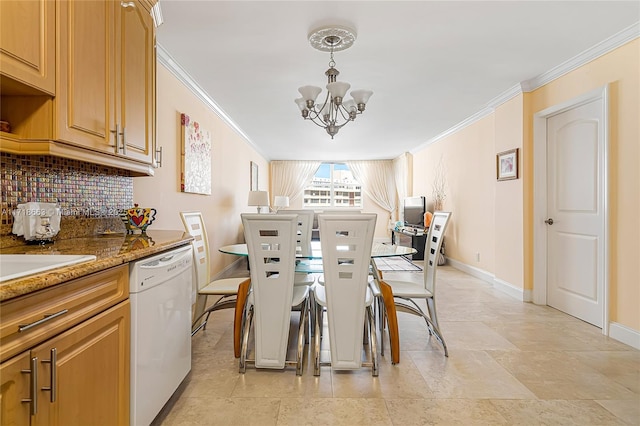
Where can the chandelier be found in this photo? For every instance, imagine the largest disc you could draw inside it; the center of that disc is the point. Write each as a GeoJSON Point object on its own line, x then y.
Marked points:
{"type": "Point", "coordinates": [335, 111]}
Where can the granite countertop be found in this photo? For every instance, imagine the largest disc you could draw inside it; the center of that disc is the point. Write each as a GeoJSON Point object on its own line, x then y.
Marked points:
{"type": "Point", "coordinates": [110, 250]}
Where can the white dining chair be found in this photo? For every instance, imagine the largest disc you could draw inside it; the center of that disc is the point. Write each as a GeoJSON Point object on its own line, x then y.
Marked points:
{"type": "Point", "coordinates": [346, 242]}
{"type": "Point", "coordinates": [402, 296]}
{"type": "Point", "coordinates": [271, 245]}
{"type": "Point", "coordinates": [303, 243]}
{"type": "Point", "coordinates": [225, 290]}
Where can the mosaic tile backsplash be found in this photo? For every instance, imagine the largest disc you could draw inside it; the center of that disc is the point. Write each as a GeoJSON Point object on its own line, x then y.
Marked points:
{"type": "Point", "coordinates": [82, 190]}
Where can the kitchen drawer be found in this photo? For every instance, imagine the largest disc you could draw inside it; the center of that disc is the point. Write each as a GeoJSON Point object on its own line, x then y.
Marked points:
{"type": "Point", "coordinates": [67, 304]}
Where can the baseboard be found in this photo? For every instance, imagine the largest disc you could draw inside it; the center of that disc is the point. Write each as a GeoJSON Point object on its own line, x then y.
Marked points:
{"type": "Point", "coordinates": [509, 289]}
{"type": "Point", "coordinates": [528, 296]}
{"type": "Point", "coordinates": [624, 334]}
{"type": "Point", "coordinates": [489, 278]}
{"type": "Point", "coordinates": [472, 270]}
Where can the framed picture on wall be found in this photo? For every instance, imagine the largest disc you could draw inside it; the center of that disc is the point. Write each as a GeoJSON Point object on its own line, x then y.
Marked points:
{"type": "Point", "coordinates": [195, 176]}
{"type": "Point", "coordinates": [507, 164]}
{"type": "Point", "coordinates": [254, 176]}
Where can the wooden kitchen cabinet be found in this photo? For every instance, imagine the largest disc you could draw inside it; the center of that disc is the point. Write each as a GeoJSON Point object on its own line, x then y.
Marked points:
{"type": "Point", "coordinates": [91, 372]}
{"type": "Point", "coordinates": [15, 380]}
{"type": "Point", "coordinates": [87, 384]}
{"type": "Point", "coordinates": [109, 49]}
{"type": "Point", "coordinates": [88, 339]}
{"type": "Point", "coordinates": [103, 110]}
{"type": "Point", "coordinates": [27, 46]}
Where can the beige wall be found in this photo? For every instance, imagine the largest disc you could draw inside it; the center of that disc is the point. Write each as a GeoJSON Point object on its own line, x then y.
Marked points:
{"type": "Point", "coordinates": [231, 156]}
{"type": "Point", "coordinates": [494, 218]}
{"type": "Point", "coordinates": [509, 220]}
{"type": "Point", "coordinates": [469, 160]}
{"type": "Point", "coordinates": [621, 70]}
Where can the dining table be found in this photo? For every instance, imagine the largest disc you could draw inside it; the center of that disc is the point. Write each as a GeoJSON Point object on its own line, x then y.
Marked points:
{"type": "Point", "coordinates": [313, 264]}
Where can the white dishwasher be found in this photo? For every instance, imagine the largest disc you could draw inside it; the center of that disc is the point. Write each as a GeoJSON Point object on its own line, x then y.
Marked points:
{"type": "Point", "coordinates": [160, 294]}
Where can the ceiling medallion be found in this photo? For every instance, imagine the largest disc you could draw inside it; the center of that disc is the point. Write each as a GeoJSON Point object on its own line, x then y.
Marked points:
{"type": "Point", "coordinates": [334, 112]}
{"type": "Point", "coordinates": [327, 39]}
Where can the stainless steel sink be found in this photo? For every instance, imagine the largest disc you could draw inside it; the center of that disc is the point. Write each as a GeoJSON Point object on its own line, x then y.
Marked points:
{"type": "Point", "coordinates": [20, 265]}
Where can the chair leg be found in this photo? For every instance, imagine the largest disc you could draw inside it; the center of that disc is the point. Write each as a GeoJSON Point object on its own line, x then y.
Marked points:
{"type": "Point", "coordinates": [312, 315]}
{"type": "Point", "coordinates": [241, 300]}
{"type": "Point", "coordinates": [380, 320]}
{"type": "Point", "coordinates": [316, 341]}
{"type": "Point", "coordinates": [245, 340]}
{"type": "Point", "coordinates": [373, 342]}
{"type": "Point", "coordinates": [302, 327]}
{"type": "Point", "coordinates": [431, 308]}
{"type": "Point", "coordinates": [392, 321]}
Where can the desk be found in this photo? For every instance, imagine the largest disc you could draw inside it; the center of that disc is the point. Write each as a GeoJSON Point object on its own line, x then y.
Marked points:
{"type": "Point", "coordinates": [314, 264]}
{"type": "Point", "coordinates": [418, 240]}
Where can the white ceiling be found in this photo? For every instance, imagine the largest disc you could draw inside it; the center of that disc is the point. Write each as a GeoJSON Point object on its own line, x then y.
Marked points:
{"type": "Point", "coordinates": [431, 64]}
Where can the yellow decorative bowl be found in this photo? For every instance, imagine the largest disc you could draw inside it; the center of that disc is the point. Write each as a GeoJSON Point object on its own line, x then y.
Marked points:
{"type": "Point", "coordinates": [137, 218]}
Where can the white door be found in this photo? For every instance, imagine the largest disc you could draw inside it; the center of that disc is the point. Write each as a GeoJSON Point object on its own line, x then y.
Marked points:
{"type": "Point", "coordinates": [575, 211]}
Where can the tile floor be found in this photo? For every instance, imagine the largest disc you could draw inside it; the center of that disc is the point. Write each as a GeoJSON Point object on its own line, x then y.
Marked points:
{"type": "Point", "coordinates": [510, 363]}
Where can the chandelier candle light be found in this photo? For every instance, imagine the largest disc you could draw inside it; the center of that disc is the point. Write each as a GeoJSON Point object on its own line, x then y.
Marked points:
{"type": "Point", "coordinates": [335, 111]}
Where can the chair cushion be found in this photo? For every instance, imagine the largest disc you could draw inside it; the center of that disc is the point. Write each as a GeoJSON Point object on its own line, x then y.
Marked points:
{"type": "Point", "coordinates": [303, 278]}
{"type": "Point", "coordinates": [321, 279]}
{"type": "Point", "coordinates": [408, 289]}
{"type": "Point", "coordinates": [300, 293]}
{"type": "Point", "coordinates": [320, 295]}
{"type": "Point", "coordinates": [225, 286]}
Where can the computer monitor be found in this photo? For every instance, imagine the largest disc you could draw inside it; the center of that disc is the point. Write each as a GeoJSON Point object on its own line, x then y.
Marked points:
{"type": "Point", "coordinates": [414, 210]}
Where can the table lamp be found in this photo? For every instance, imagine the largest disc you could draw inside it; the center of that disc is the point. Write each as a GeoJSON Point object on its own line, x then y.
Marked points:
{"type": "Point", "coordinates": [259, 199]}
{"type": "Point", "coordinates": [280, 201]}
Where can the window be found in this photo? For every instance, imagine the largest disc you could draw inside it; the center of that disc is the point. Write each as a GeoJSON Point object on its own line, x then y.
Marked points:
{"type": "Point", "coordinates": [333, 186]}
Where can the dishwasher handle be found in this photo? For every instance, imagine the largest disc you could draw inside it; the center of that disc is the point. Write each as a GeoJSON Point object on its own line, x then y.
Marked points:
{"type": "Point", "coordinates": [166, 259]}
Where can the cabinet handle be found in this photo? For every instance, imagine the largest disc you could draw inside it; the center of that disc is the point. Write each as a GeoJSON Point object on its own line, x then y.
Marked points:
{"type": "Point", "coordinates": [53, 373]}
{"type": "Point", "coordinates": [124, 142]}
{"type": "Point", "coordinates": [159, 157]}
{"type": "Point", "coordinates": [33, 386]}
{"type": "Point", "coordinates": [127, 4]}
{"type": "Point", "coordinates": [116, 134]}
{"type": "Point", "coordinates": [47, 317]}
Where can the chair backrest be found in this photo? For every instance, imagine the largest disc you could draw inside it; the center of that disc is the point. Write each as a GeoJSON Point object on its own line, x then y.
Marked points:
{"type": "Point", "coordinates": [271, 246]}
{"type": "Point", "coordinates": [346, 242]}
{"type": "Point", "coordinates": [194, 225]}
{"type": "Point", "coordinates": [433, 243]}
{"type": "Point", "coordinates": [305, 225]}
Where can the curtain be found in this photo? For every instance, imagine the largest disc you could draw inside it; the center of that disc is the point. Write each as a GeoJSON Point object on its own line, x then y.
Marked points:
{"type": "Point", "coordinates": [378, 181]}
{"type": "Point", "coordinates": [401, 173]}
{"type": "Point", "coordinates": [291, 177]}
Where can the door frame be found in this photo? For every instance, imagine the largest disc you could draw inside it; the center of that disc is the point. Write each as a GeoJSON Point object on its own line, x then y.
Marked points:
{"type": "Point", "coordinates": [540, 196]}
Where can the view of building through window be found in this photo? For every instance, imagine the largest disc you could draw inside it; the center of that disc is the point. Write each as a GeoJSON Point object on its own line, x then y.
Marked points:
{"type": "Point", "coordinates": [333, 186]}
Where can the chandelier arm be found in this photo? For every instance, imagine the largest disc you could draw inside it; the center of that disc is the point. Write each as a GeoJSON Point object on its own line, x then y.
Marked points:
{"type": "Point", "coordinates": [313, 120]}
{"type": "Point", "coordinates": [344, 111]}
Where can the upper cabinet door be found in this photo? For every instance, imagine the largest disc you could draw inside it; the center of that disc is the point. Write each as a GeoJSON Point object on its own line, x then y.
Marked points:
{"type": "Point", "coordinates": [136, 80]}
{"type": "Point", "coordinates": [84, 113]}
{"type": "Point", "coordinates": [27, 43]}
{"type": "Point", "coordinates": [106, 89]}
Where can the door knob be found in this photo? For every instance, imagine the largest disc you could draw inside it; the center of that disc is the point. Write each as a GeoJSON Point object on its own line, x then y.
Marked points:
{"type": "Point", "coordinates": [549, 221]}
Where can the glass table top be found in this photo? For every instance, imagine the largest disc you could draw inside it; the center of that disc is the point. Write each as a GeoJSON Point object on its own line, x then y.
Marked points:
{"type": "Point", "coordinates": [377, 250]}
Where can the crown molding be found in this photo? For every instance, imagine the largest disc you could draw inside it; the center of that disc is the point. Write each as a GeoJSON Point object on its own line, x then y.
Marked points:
{"type": "Point", "coordinates": [461, 125]}
{"type": "Point", "coordinates": [503, 97]}
{"type": "Point", "coordinates": [170, 64]}
{"type": "Point", "coordinates": [623, 37]}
